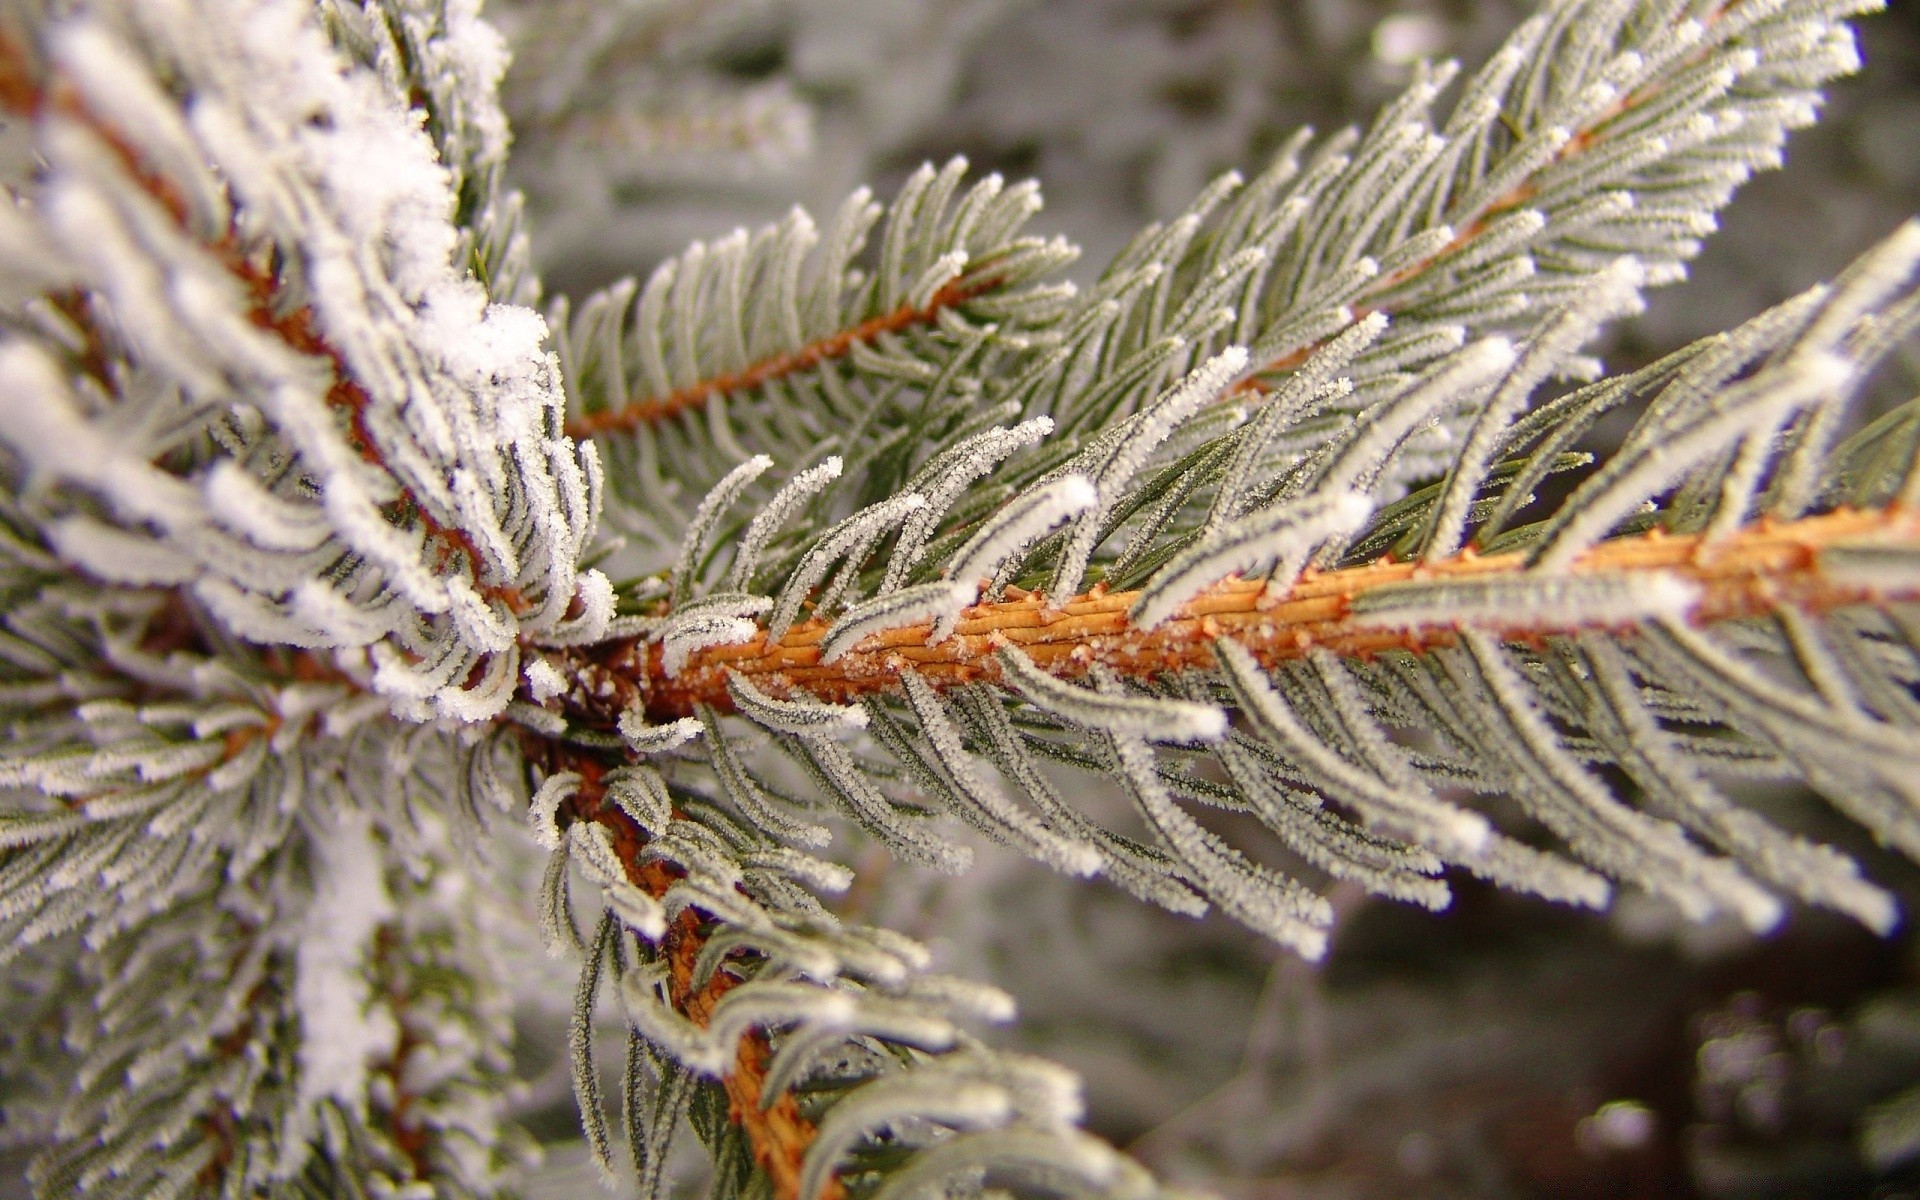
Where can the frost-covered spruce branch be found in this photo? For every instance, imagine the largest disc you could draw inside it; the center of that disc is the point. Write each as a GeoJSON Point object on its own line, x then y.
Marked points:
{"type": "Point", "coordinates": [777, 1133]}
{"type": "Point", "coordinates": [1591, 138]}
{"type": "Point", "coordinates": [739, 985]}
{"type": "Point", "coordinates": [781, 364]}
{"type": "Point", "coordinates": [236, 361]}
{"type": "Point", "coordinates": [288, 283]}
{"type": "Point", "coordinates": [272, 470]}
{"type": "Point", "coordinates": [780, 340]}
{"type": "Point", "coordinates": [1533, 180]}
{"type": "Point", "coordinates": [295, 568]}
{"type": "Point", "coordinates": [1561, 154]}
{"type": "Point", "coordinates": [1810, 565]}
{"type": "Point", "coordinates": [1774, 534]}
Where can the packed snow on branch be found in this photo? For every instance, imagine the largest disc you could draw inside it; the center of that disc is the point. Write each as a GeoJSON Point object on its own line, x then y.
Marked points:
{"type": "Point", "coordinates": [434, 511]}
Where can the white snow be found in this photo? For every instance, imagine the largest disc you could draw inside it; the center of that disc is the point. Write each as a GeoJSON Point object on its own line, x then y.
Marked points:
{"type": "Point", "coordinates": [343, 1028]}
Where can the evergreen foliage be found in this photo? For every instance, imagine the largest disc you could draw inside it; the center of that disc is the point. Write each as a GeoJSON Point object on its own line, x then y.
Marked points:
{"type": "Point", "coordinates": [327, 561]}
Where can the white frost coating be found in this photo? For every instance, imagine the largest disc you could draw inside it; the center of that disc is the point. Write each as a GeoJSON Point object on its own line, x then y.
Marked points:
{"type": "Point", "coordinates": [747, 795]}
{"type": "Point", "coordinates": [1869, 287]}
{"type": "Point", "coordinates": [934, 1096]}
{"type": "Point", "coordinates": [1136, 716]}
{"type": "Point", "coordinates": [597, 602]}
{"type": "Point", "coordinates": [109, 552]}
{"type": "Point", "coordinates": [1268, 902]}
{"type": "Point", "coordinates": [778, 511]}
{"type": "Point", "coordinates": [856, 530]}
{"type": "Point", "coordinates": [342, 1031]}
{"type": "Point", "coordinates": [1136, 440]}
{"type": "Point", "coordinates": [1024, 518]}
{"type": "Point", "coordinates": [965, 997]}
{"type": "Point", "coordinates": [1892, 570]}
{"type": "Point", "coordinates": [1622, 841]}
{"type": "Point", "coordinates": [1611, 293]}
{"type": "Point", "coordinates": [904, 833]}
{"type": "Point", "coordinates": [804, 718]}
{"type": "Point", "coordinates": [1873, 284]}
{"type": "Point", "coordinates": [1816, 873]}
{"type": "Point", "coordinates": [1529, 600]}
{"type": "Point", "coordinates": [264, 518]}
{"type": "Point", "coordinates": [1289, 400]}
{"type": "Point", "coordinates": [484, 625]}
{"type": "Point", "coordinates": [699, 631]}
{"type": "Point", "coordinates": [654, 1019]}
{"type": "Point", "coordinates": [1764, 400]}
{"type": "Point", "coordinates": [990, 803]}
{"type": "Point", "coordinates": [943, 480]}
{"type": "Point", "coordinates": [544, 679]}
{"type": "Point", "coordinates": [469, 58]}
{"type": "Point", "coordinates": [117, 89]}
{"type": "Point", "coordinates": [712, 506]}
{"type": "Point", "coordinates": [31, 267]}
{"type": "Point", "coordinates": [319, 606]}
{"type": "Point", "coordinates": [642, 794]}
{"type": "Point", "coordinates": [1411, 809]}
{"type": "Point", "coordinates": [1255, 542]}
{"type": "Point", "coordinates": [1520, 867]}
{"type": "Point", "coordinates": [455, 395]}
{"type": "Point", "coordinates": [944, 270]}
{"type": "Point", "coordinates": [591, 844]}
{"type": "Point", "coordinates": [758, 1003]}
{"type": "Point", "coordinates": [816, 873]}
{"type": "Point", "coordinates": [1449, 384]}
{"type": "Point", "coordinates": [545, 806]}
{"type": "Point", "coordinates": [1045, 1092]}
{"type": "Point", "coordinates": [939, 602]}
{"type": "Point", "coordinates": [808, 957]}
{"type": "Point", "coordinates": [643, 738]}
{"type": "Point", "coordinates": [253, 617]}
{"type": "Point", "coordinates": [40, 418]}
{"type": "Point", "coordinates": [637, 910]}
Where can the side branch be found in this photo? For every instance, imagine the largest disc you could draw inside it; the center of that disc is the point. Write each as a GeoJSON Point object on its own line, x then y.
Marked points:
{"type": "Point", "coordinates": [838, 345]}
{"type": "Point", "coordinates": [777, 1131]}
{"type": "Point", "coordinates": [1470, 226]}
{"type": "Point", "coordinates": [1762, 568]}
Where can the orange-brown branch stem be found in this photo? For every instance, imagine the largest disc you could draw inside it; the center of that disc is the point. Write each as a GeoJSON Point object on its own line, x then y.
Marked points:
{"type": "Point", "coordinates": [778, 1133]}
{"type": "Point", "coordinates": [1761, 568]}
{"type": "Point", "coordinates": [837, 345]}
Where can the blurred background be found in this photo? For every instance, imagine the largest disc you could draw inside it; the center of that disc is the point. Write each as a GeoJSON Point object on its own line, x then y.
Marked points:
{"type": "Point", "coordinates": [1504, 1048]}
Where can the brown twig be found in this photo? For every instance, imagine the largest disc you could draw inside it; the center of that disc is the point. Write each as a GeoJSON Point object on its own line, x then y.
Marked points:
{"type": "Point", "coordinates": [837, 345]}
{"type": "Point", "coordinates": [1760, 568]}
{"type": "Point", "coordinates": [777, 1132]}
